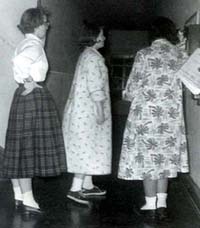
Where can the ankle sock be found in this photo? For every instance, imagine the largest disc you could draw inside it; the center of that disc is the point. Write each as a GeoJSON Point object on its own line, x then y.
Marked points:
{"type": "Point", "coordinates": [28, 200]}
{"type": "Point", "coordinates": [17, 193]}
{"type": "Point", "coordinates": [76, 184]}
{"type": "Point", "coordinates": [161, 200]}
{"type": "Point", "coordinates": [150, 203]}
{"type": "Point", "coordinates": [88, 183]}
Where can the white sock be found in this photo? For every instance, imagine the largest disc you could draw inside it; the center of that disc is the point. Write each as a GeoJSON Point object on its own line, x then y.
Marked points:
{"type": "Point", "coordinates": [76, 184]}
{"type": "Point", "coordinates": [87, 183]}
{"type": "Point", "coordinates": [28, 200]}
{"type": "Point", "coordinates": [150, 203]}
{"type": "Point", "coordinates": [17, 193]}
{"type": "Point", "coordinates": [161, 200]}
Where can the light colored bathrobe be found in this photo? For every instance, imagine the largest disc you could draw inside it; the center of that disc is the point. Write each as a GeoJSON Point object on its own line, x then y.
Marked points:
{"type": "Point", "coordinates": [88, 144]}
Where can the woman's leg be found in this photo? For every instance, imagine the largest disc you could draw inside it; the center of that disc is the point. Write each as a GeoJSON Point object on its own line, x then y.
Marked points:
{"type": "Point", "coordinates": [26, 188]}
{"type": "Point", "coordinates": [17, 190]}
{"type": "Point", "coordinates": [162, 186]}
{"type": "Point", "coordinates": [75, 192]}
{"type": "Point", "coordinates": [150, 190]}
{"type": "Point", "coordinates": [161, 206]}
{"type": "Point", "coordinates": [89, 189]}
{"type": "Point", "coordinates": [77, 182]}
{"type": "Point", "coordinates": [87, 182]}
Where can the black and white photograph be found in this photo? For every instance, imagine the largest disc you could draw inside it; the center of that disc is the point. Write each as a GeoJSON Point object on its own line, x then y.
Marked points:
{"type": "Point", "coordinates": [100, 114]}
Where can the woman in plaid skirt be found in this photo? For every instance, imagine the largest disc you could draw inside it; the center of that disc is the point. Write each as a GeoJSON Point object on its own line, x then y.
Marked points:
{"type": "Point", "coordinates": [34, 141]}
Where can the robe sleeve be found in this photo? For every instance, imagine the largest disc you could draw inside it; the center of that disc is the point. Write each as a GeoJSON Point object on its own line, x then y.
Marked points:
{"type": "Point", "coordinates": [96, 78]}
{"type": "Point", "coordinates": [135, 78]}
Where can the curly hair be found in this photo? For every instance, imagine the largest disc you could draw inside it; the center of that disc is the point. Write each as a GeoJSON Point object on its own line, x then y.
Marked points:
{"type": "Point", "coordinates": [163, 27]}
{"type": "Point", "coordinates": [31, 19]}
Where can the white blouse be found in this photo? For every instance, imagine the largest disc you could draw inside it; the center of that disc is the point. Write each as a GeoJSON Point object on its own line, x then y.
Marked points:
{"type": "Point", "coordinates": [30, 60]}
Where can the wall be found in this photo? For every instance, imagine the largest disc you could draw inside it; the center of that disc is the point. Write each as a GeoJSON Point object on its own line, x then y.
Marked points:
{"type": "Point", "coordinates": [177, 10]}
{"type": "Point", "coordinates": [180, 11]}
{"type": "Point", "coordinates": [10, 13]}
{"type": "Point", "coordinates": [124, 42]}
{"type": "Point", "coordinates": [62, 46]}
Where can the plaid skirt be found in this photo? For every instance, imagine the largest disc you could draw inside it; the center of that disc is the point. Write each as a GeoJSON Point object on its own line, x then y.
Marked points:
{"type": "Point", "coordinates": [34, 141]}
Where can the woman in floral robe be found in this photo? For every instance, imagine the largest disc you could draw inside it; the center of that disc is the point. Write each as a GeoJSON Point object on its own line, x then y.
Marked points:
{"type": "Point", "coordinates": [87, 122]}
{"type": "Point", "coordinates": [154, 144]}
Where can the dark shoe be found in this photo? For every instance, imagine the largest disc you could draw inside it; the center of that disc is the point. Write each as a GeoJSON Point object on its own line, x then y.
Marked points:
{"type": "Point", "coordinates": [162, 214]}
{"type": "Point", "coordinates": [31, 210]}
{"type": "Point", "coordinates": [78, 197]}
{"type": "Point", "coordinates": [149, 215]}
{"type": "Point", "coordinates": [95, 191]}
{"type": "Point", "coordinates": [18, 204]}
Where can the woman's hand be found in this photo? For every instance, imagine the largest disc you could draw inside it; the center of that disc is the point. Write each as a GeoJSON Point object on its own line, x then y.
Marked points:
{"type": "Point", "coordinates": [99, 112]}
{"type": "Point", "coordinates": [100, 118]}
{"type": "Point", "coordinates": [29, 87]}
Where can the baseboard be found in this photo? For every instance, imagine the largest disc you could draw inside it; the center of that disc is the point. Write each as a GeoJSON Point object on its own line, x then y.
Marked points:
{"type": "Point", "coordinates": [192, 189]}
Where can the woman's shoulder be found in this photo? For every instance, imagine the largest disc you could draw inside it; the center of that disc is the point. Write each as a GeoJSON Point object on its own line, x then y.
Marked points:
{"type": "Point", "coordinates": [29, 45]}
{"type": "Point", "coordinates": [142, 53]}
{"type": "Point", "coordinates": [145, 51]}
{"type": "Point", "coordinates": [90, 51]}
{"type": "Point", "coordinates": [91, 54]}
{"type": "Point", "coordinates": [31, 41]}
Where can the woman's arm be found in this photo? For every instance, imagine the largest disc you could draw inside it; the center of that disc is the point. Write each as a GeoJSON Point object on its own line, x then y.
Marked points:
{"type": "Point", "coordinates": [29, 85]}
{"type": "Point", "coordinates": [135, 78]}
{"type": "Point", "coordinates": [23, 65]}
{"type": "Point", "coordinates": [96, 82]}
{"type": "Point", "coordinates": [100, 117]}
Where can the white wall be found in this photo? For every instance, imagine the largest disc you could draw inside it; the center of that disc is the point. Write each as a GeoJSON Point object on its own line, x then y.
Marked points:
{"type": "Point", "coordinates": [10, 13]}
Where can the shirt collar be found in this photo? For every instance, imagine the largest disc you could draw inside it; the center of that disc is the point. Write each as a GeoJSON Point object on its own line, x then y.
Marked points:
{"type": "Point", "coordinates": [32, 36]}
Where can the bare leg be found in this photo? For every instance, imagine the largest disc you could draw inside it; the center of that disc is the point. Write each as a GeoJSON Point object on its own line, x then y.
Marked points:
{"type": "Point", "coordinates": [162, 186]}
{"type": "Point", "coordinates": [150, 187]}
{"type": "Point", "coordinates": [26, 187]}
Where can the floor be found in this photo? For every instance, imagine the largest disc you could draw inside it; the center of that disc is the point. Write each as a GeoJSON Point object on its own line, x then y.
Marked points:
{"type": "Point", "coordinates": [118, 210]}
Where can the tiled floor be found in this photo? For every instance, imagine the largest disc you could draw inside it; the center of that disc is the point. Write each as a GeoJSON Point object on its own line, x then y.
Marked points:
{"type": "Point", "coordinates": [118, 210]}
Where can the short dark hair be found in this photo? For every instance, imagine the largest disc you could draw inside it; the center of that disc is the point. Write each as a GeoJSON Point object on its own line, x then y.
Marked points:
{"type": "Point", "coordinates": [31, 19]}
{"type": "Point", "coordinates": [89, 35]}
{"type": "Point", "coordinates": [163, 27]}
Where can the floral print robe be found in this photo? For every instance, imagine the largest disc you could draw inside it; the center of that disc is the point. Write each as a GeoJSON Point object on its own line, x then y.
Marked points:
{"type": "Point", "coordinates": [154, 143]}
{"type": "Point", "coordinates": [88, 144]}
